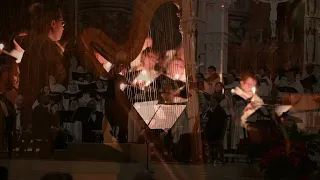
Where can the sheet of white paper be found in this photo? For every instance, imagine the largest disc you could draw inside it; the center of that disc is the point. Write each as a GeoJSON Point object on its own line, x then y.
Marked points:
{"type": "Point", "coordinates": [161, 116]}
{"type": "Point", "coordinates": [281, 109]}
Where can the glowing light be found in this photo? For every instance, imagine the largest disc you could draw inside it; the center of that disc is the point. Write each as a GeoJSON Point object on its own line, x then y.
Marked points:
{"type": "Point", "coordinates": [123, 86]}
{"type": "Point", "coordinates": [135, 82]}
{"type": "Point", "coordinates": [144, 72]}
{"type": "Point", "coordinates": [254, 90]}
{"type": "Point", "coordinates": [177, 76]}
{"type": "Point", "coordinates": [222, 5]}
{"type": "Point", "coordinates": [1, 46]}
{"type": "Point", "coordinates": [107, 66]}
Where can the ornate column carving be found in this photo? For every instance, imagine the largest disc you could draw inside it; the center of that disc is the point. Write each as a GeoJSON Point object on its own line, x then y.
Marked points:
{"type": "Point", "coordinates": [311, 32]}
{"type": "Point", "coordinates": [216, 43]}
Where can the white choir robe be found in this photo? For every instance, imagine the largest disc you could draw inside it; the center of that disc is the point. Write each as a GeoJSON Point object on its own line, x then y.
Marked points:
{"type": "Point", "coordinates": [265, 88]}
{"type": "Point", "coordinates": [239, 117]}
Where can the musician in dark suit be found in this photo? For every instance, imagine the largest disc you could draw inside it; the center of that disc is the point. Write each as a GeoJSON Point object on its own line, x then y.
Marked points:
{"type": "Point", "coordinates": [22, 126]}
{"type": "Point", "coordinates": [43, 56]}
{"type": "Point", "coordinates": [41, 125]}
{"type": "Point", "coordinates": [92, 126]}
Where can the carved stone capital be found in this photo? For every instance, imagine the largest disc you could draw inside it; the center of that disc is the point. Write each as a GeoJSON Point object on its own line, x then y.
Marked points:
{"type": "Point", "coordinates": [311, 24]}
{"type": "Point", "coordinates": [189, 26]}
{"type": "Point", "coordinates": [311, 8]}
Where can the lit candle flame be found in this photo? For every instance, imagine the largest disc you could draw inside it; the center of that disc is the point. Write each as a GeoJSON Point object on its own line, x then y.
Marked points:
{"type": "Point", "coordinates": [254, 90]}
{"type": "Point", "coordinates": [107, 66]}
{"type": "Point", "coordinates": [177, 76]}
{"type": "Point", "coordinates": [1, 46]}
{"type": "Point", "coordinates": [123, 86]}
{"type": "Point", "coordinates": [144, 72]}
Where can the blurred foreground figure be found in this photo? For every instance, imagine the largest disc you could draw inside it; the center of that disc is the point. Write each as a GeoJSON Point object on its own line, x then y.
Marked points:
{"type": "Point", "coordinates": [42, 57]}
{"type": "Point", "coordinates": [4, 175]}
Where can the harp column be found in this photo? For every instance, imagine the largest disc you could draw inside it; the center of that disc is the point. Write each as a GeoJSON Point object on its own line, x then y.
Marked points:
{"type": "Point", "coordinates": [216, 43]}
{"type": "Point", "coordinates": [189, 25]}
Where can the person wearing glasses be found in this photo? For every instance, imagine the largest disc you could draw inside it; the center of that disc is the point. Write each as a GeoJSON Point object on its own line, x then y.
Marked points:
{"type": "Point", "coordinates": [42, 55]}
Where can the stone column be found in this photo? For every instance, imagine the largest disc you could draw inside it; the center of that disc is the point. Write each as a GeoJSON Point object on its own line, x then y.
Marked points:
{"type": "Point", "coordinates": [201, 35]}
{"type": "Point", "coordinates": [216, 43]}
{"type": "Point", "coordinates": [312, 32]}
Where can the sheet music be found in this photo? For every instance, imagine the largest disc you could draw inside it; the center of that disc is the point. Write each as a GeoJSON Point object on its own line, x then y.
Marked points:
{"type": "Point", "coordinates": [166, 116]}
{"type": "Point", "coordinates": [159, 116]}
{"type": "Point", "coordinates": [281, 109]}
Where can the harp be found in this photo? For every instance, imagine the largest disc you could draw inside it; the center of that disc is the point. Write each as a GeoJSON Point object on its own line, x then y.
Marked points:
{"type": "Point", "coordinates": [93, 40]}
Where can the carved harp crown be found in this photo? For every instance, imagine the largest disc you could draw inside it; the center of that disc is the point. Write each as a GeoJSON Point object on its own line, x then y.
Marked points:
{"type": "Point", "coordinates": [93, 39]}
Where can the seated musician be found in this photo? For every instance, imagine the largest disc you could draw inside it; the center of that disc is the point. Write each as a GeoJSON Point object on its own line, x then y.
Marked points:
{"type": "Point", "coordinates": [137, 62]}
{"type": "Point", "coordinates": [149, 59]}
{"type": "Point", "coordinates": [92, 128]}
{"type": "Point", "coordinates": [176, 69]}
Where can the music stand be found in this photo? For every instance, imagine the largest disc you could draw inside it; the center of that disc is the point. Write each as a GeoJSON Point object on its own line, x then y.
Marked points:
{"type": "Point", "coordinates": [159, 116]}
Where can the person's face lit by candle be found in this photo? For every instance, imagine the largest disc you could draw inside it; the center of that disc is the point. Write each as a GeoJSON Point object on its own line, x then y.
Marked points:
{"type": "Point", "coordinates": [248, 84]}
{"type": "Point", "coordinates": [176, 69]}
{"type": "Point", "coordinates": [149, 60]}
